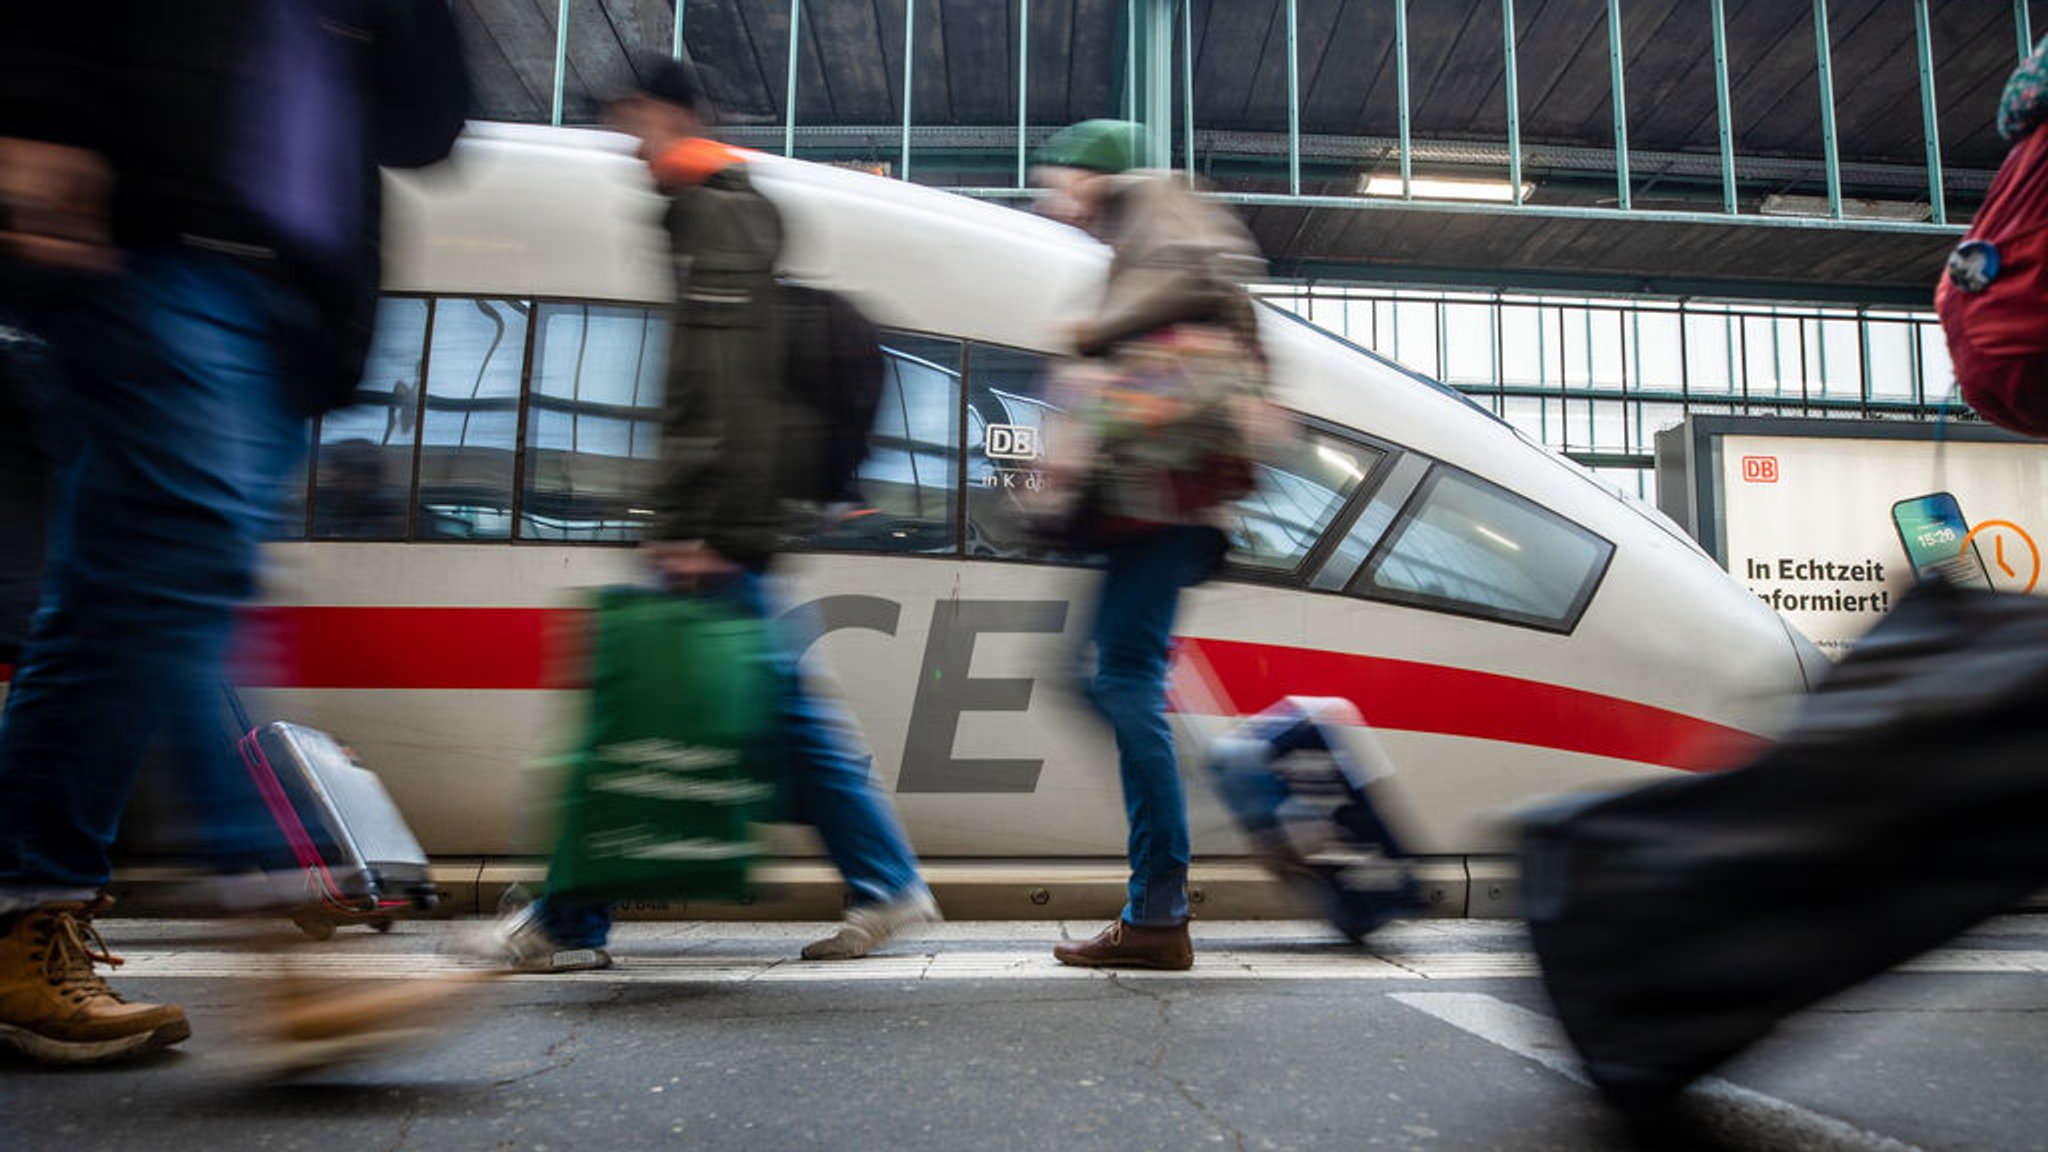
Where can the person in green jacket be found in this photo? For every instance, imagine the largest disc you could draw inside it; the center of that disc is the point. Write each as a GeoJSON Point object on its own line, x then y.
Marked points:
{"type": "Point", "coordinates": [718, 510]}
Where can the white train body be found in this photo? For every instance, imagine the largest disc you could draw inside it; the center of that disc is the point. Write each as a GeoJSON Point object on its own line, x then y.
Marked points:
{"type": "Point", "coordinates": [954, 665]}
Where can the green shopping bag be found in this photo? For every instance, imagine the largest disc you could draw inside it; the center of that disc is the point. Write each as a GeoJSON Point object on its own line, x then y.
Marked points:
{"type": "Point", "coordinates": [675, 765]}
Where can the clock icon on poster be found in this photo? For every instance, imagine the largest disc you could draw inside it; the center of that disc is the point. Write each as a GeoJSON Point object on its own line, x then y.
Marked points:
{"type": "Point", "coordinates": [2015, 558]}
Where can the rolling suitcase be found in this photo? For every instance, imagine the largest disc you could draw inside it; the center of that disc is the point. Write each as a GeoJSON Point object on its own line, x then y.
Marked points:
{"type": "Point", "coordinates": [1298, 778]}
{"type": "Point", "coordinates": [360, 858]}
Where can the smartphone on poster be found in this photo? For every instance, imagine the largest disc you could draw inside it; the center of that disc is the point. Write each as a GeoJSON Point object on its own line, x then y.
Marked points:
{"type": "Point", "coordinates": [1934, 532]}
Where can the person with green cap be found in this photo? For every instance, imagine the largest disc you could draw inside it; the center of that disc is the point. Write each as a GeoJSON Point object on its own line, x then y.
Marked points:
{"type": "Point", "coordinates": [1173, 304]}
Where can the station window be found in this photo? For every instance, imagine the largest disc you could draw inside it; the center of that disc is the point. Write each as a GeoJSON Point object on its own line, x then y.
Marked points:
{"type": "Point", "coordinates": [1465, 545]}
{"type": "Point", "coordinates": [593, 424]}
{"type": "Point", "coordinates": [909, 482]}
{"type": "Point", "coordinates": [363, 459]}
{"type": "Point", "coordinates": [469, 432]}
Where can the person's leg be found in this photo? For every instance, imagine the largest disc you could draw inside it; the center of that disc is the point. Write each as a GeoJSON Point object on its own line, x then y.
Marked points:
{"type": "Point", "coordinates": [1133, 630]}
{"type": "Point", "coordinates": [153, 544]}
{"type": "Point", "coordinates": [184, 432]}
{"type": "Point", "coordinates": [1132, 634]}
{"type": "Point", "coordinates": [828, 770]}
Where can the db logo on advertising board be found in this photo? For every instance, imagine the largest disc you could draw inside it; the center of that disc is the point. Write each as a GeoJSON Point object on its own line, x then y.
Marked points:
{"type": "Point", "coordinates": [1011, 442]}
{"type": "Point", "coordinates": [1760, 469]}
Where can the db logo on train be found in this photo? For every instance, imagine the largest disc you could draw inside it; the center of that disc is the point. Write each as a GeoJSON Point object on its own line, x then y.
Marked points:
{"type": "Point", "coordinates": [1760, 469]}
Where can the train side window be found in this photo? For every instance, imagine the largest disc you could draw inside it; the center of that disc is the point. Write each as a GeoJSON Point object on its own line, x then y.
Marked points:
{"type": "Point", "coordinates": [469, 432]}
{"type": "Point", "coordinates": [1465, 545]}
{"type": "Point", "coordinates": [1302, 485]}
{"type": "Point", "coordinates": [1006, 419]}
{"type": "Point", "coordinates": [593, 422]}
{"type": "Point", "coordinates": [362, 462]}
{"type": "Point", "coordinates": [910, 479]}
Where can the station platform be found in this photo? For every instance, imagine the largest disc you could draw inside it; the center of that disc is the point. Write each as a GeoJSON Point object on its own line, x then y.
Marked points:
{"type": "Point", "coordinates": [712, 1035]}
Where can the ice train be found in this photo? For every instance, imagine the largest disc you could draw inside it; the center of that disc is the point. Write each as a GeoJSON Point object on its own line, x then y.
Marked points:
{"type": "Point", "coordinates": [1508, 625]}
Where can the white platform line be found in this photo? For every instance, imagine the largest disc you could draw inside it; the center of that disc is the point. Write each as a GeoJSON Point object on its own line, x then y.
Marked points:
{"type": "Point", "coordinates": [1537, 1037]}
{"type": "Point", "coordinates": [646, 962]}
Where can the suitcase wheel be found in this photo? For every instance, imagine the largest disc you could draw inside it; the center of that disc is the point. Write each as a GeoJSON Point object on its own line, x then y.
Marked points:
{"type": "Point", "coordinates": [317, 929]}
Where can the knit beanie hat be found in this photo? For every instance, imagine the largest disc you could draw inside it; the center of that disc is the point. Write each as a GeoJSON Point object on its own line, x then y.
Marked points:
{"type": "Point", "coordinates": [1096, 145]}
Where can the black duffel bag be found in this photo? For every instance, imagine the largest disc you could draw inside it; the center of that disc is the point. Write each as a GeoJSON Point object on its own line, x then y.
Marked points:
{"type": "Point", "coordinates": [1678, 923]}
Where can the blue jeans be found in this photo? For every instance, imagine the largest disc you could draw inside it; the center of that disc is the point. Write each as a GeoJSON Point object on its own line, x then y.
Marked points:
{"type": "Point", "coordinates": [826, 766]}
{"type": "Point", "coordinates": [1132, 634]}
{"type": "Point", "coordinates": [175, 399]}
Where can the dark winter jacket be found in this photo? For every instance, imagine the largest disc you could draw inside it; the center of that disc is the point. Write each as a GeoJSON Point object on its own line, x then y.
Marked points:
{"type": "Point", "coordinates": [721, 407]}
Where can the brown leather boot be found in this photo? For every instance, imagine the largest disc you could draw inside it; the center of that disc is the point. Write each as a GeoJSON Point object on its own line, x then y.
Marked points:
{"type": "Point", "coordinates": [56, 1008]}
{"type": "Point", "coordinates": [1123, 945]}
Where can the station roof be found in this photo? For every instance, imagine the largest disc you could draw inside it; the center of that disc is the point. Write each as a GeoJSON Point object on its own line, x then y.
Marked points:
{"type": "Point", "coordinates": [964, 114]}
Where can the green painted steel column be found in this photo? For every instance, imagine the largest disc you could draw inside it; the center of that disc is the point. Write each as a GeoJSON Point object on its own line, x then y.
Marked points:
{"type": "Point", "coordinates": [1023, 82]}
{"type": "Point", "coordinates": [796, 12]}
{"type": "Point", "coordinates": [2023, 23]}
{"type": "Point", "coordinates": [1148, 79]}
{"type": "Point", "coordinates": [1131, 60]}
{"type": "Point", "coordinates": [1155, 110]}
{"type": "Point", "coordinates": [676, 47]}
{"type": "Point", "coordinates": [1823, 58]}
{"type": "Point", "coordinates": [1401, 89]}
{"type": "Point", "coordinates": [1294, 98]}
{"type": "Point", "coordinates": [1620, 89]}
{"type": "Point", "coordinates": [1726, 111]}
{"type": "Point", "coordinates": [561, 57]}
{"type": "Point", "coordinates": [909, 69]}
{"type": "Point", "coordinates": [1930, 121]}
{"type": "Point", "coordinates": [1187, 56]}
{"type": "Point", "coordinates": [1507, 25]}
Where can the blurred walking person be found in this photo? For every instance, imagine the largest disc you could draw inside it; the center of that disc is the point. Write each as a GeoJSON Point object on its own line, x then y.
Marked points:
{"type": "Point", "coordinates": [719, 509]}
{"type": "Point", "coordinates": [1173, 310]}
{"type": "Point", "coordinates": [189, 209]}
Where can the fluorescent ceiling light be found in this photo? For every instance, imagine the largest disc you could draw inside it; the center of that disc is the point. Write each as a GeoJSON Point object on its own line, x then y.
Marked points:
{"type": "Point", "coordinates": [1340, 461]}
{"type": "Point", "coordinates": [1443, 188]}
{"type": "Point", "coordinates": [1780, 204]}
{"type": "Point", "coordinates": [1497, 538]}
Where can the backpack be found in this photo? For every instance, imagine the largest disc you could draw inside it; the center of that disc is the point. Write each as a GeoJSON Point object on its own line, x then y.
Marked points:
{"type": "Point", "coordinates": [832, 387]}
{"type": "Point", "coordinates": [1993, 297]}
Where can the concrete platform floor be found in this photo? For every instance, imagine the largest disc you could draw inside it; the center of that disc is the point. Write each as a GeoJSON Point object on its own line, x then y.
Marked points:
{"type": "Point", "coordinates": [713, 1036]}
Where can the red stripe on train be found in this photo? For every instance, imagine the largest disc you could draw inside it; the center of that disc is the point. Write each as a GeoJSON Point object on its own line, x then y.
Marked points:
{"type": "Point", "coordinates": [1410, 696]}
{"type": "Point", "coordinates": [529, 648]}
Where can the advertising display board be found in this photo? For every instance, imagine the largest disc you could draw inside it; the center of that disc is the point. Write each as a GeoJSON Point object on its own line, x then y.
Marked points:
{"type": "Point", "coordinates": [1828, 521]}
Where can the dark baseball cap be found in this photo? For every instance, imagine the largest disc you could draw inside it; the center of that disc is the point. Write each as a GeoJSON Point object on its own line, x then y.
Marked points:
{"type": "Point", "coordinates": [668, 80]}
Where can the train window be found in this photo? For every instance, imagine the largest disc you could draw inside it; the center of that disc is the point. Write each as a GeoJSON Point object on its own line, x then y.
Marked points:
{"type": "Point", "coordinates": [909, 481]}
{"type": "Point", "coordinates": [593, 422]}
{"type": "Point", "coordinates": [469, 432]}
{"type": "Point", "coordinates": [1468, 546]}
{"type": "Point", "coordinates": [1006, 419]}
{"type": "Point", "coordinates": [363, 459]}
{"type": "Point", "coordinates": [1302, 485]}
{"type": "Point", "coordinates": [1389, 496]}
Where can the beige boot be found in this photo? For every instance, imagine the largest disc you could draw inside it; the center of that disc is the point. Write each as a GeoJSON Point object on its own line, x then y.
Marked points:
{"type": "Point", "coordinates": [56, 1008]}
{"type": "Point", "coordinates": [308, 1025]}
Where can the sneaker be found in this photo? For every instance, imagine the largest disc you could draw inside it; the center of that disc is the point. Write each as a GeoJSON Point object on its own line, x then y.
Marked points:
{"type": "Point", "coordinates": [520, 941]}
{"type": "Point", "coordinates": [868, 926]}
{"type": "Point", "coordinates": [57, 1008]}
{"type": "Point", "coordinates": [1126, 945]}
{"type": "Point", "coordinates": [309, 1025]}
